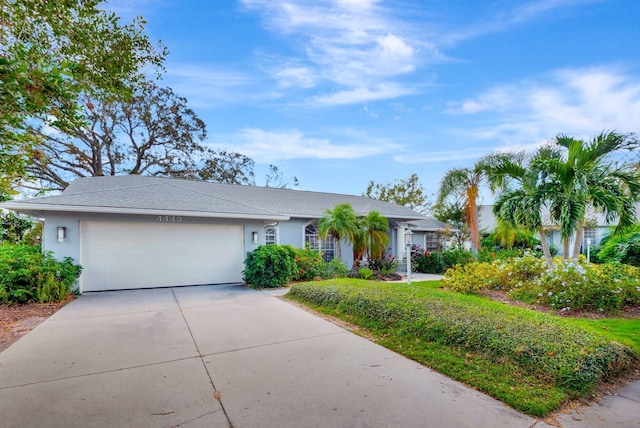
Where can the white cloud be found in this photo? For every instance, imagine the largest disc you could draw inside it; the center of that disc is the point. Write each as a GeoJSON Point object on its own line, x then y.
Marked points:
{"type": "Point", "coordinates": [295, 76]}
{"type": "Point", "coordinates": [578, 102]}
{"type": "Point", "coordinates": [205, 88]}
{"type": "Point", "coordinates": [356, 44]}
{"type": "Point", "coordinates": [267, 146]}
{"type": "Point", "coordinates": [364, 94]}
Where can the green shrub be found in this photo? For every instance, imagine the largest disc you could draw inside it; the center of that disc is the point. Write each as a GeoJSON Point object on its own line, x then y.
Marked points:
{"type": "Point", "coordinates": [539, 345]}
{"type": "Point", "coordinates": [472, 278]}
{"type": "Point", "coordinates": [426, 262]}
{"type": "Point", "coordinates": [28, 275]}
{"type": "Point", "coordinates": [335, 269]}
{"type": "Point", "coordinates": [584, 286]}
{"type": "Point", "coordinates": [456, 256]}
{"type": "Point", "coordinates": [309, 264]}
{"type": "Point", "coordinates": [570, 286]}
{"type": "Point", "coordinates": [384, 265]}
{"type": "Point", "coordinates": [624, 248]}
{"type": "Point", "coordinates": [269, 266]}
{"type": "Point", "coordinates": [366, 273]}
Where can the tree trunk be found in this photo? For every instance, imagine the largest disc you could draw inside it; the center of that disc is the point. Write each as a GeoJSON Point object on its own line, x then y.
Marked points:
{"type": "Point", "coordinates": [578, 244]}
{"type": "Point", "coordinates": [545, 248]}
{"type": "Point", "coordinates": [565, 248]}
{"type": "Point", "coordinates": [473, 223]}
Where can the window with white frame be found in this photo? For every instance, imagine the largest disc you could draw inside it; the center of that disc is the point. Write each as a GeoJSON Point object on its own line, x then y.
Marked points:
{"type": "Point", "coordinates": [271, 235]}
{"type": "Point", "coordinates": [326, 247]}
{"type": "Point", "coordinates": [431, 241]}
{"type": "Point", "coordinates": [589, 233]}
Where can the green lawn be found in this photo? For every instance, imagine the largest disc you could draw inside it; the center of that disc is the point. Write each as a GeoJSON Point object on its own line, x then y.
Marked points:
{"type": "Point", "coordinates": [624, 330]}
{"type": "Point", "coordinates": [532, 361]}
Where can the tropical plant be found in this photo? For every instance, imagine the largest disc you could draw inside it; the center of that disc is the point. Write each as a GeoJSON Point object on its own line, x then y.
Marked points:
{"type": "Point", "coordinates": [507, 235]}
{"type": "Point", "coordinates": [464, 183]}
{"type": "Point", "coordinates": [585, 175]}
{"type": "Point", "coordinates": [522, 206]}
{"type": "Point", "coordinates": [623, 248]}
{"type": "Point", "coordinates": [372, 237]}
{"type": "Point", "coordinates": [341, 223]}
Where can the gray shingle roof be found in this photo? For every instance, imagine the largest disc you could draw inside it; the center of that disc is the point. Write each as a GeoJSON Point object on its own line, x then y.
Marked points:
{"type": "Point", "coordinates": [427, 223]}
{"type": "Point", "coordinates": [138, 194]}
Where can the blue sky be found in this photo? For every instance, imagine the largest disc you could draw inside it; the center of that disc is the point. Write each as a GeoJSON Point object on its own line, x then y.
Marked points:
{"type": "Point", "coordinates": [340, 92]}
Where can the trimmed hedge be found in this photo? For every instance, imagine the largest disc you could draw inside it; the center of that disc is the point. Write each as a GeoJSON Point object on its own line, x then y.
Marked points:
{"type": "Point", "coordinates": [541, 346]}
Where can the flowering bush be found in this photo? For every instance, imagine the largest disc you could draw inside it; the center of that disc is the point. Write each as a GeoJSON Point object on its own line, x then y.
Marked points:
{"type": "Point", "coordinates": [309, 264]}
{"type": "Point", "coordinates": [384, 265]}
{"type": "Point", "coordinates": [570, 286]}
{"type": "Point", "coordinates": [426, 262]}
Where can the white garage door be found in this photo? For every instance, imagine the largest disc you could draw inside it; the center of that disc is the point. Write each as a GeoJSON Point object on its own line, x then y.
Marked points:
{"type": "Point", "coordinates": [117, 256]}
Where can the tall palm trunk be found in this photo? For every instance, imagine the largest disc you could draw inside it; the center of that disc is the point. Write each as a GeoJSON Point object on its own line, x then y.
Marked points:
{"type": "Point", "coordinates": [472, 194]}
{"type": "Point", "coordinates": [565, 248]}
{"type": "Point", "coordinates": [336, 244]}
{"type": "Point", "coordinates": [545, 248]}
{"type": "Point", "coordinates": [578, 244]}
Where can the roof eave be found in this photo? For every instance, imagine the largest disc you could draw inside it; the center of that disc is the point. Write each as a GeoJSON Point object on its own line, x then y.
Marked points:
{"type": "Point", "coordinates": [38, 210]}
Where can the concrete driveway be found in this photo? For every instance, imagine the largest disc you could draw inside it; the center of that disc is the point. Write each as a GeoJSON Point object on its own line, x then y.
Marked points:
{"type": "Point", "coordinates": [221, 356]}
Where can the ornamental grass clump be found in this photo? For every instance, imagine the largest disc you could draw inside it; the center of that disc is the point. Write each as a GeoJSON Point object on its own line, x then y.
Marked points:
{"type": "Point", "coordinates": [532, 345]}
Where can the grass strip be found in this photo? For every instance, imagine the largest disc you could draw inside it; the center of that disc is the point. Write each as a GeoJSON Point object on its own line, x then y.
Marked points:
{"type": "Point", "coordinates": [532, 361]}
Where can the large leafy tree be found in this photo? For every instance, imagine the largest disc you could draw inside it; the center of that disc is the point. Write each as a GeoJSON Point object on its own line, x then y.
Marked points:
{"type": "Point", "coordinates": [405, 192]}
{"type": "Point", "coordinates": [223, 166]}
{"type": "Point", "coordinates": [154, 133]}
{"type": "Point", "coordinates": [585, 175]}
{"type": "Point", "coordinates": [53, 51]}
{"type": "Point", "coordinates": [341, 223]}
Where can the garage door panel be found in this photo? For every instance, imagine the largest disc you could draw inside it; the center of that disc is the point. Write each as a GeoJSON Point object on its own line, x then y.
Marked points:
{"type": "Point", "coordinates": [143, 255]}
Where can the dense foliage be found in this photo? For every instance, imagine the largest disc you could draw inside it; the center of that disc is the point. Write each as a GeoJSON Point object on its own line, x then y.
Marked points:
{"type": "Point", "coordinates": [28, 275]}
{"type": "Point", "coordinates": [53, 52]}
{"type": "Point", "coordinates": [407, 192]}
{"type": "Point", "coordinates": [622, 248]}
{"type": "Point", "coordinates": [14, 230]}
{"type": "Point", "coordinates": [570, 286]}
{"type": "Point", "coordinates": [544, 355]}
{"type": "Point", "coordinates": [272, 266]}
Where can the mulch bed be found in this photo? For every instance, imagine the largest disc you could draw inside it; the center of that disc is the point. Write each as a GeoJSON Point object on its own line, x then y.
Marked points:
{"type": "Point", "coordinates": [18, 320]}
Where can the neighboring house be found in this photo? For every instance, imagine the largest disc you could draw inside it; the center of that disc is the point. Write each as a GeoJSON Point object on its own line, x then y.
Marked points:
{"type": "Point", "coordinates": [140, 232]}
{"type": "Point", "coordinates": [596, 228]}
{"type": "Point", "coordinates": [428, 234]}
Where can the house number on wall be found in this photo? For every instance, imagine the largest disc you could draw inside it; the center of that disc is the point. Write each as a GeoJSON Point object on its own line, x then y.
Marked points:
{"type": "Point", "coordinates": [169, 219]}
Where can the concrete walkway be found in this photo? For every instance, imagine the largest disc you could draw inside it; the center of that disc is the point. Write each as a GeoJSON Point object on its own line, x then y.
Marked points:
{"type": "Point", "coordinates": [221, 356]}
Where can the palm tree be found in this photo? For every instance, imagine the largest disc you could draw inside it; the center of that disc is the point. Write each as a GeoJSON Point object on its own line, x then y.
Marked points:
{"type": "Point", "coordinates": [340, 223]}
{"type": "Point", "coordinates": [465, 183]}
{"type": "Point", "coordinates": [585, 176]}
{"type": "Point", "coordinates": [374, 228]}
{"type": "Point", "coordinates": [523, 205]}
